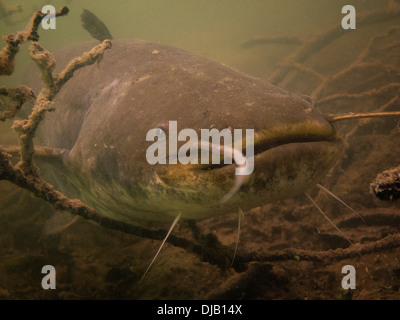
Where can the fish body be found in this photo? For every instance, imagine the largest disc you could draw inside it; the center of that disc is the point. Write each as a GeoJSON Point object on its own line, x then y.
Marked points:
{"type": "Point", "coordinates": [105, 112]}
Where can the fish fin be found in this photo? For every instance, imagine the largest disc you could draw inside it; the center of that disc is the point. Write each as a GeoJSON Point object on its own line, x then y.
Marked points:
{"type": "Point", "coordinates": [58, 222]}
{"type": "Point", "coordinates": [95, 26]}
{"type": "Point", "coordinates": [240, 218]}
{"type": "Point", "coordinates": [162, 244]}
{"type": "Point", "coordinates": [326, 217]}
{"type": "Point", "coordinates": [340, 200]}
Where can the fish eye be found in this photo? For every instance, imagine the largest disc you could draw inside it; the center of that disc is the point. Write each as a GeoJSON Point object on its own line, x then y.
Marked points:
{"type": "Point", "coordinates": [306, 98]}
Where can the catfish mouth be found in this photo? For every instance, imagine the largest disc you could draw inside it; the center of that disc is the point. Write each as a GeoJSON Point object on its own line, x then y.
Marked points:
{"type": "Point", "coordinates": [262, 146]}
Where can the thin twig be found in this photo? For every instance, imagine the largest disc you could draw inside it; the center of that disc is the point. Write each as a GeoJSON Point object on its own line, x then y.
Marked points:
{"type": "Point", "coordinates": [26, 129]}
{"type": "Point", "coordinates": [13, 41]}
{"type": "Point", "coordinates": [316, 44]}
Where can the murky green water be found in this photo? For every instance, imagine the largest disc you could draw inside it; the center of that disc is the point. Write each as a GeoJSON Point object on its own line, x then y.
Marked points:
{"type": "Point", "coordinates": [214, 29]}
{"type": "Point", "coordinates": [96, 263]}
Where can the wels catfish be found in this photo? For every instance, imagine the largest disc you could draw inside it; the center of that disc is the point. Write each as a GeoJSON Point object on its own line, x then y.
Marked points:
{"type": "Point", "coordinates": [104, 114]}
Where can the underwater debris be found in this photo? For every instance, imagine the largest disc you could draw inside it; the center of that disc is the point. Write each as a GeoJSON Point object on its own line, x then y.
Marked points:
{"type": "Point", "coordinates": [386, 185]}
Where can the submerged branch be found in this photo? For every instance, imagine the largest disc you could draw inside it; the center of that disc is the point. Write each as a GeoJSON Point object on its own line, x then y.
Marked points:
{"type": "Point", "coordinates": [14, 98]}
{"type": "Point", "coordinates": [386, 185]}
{"type": "Point", "coordinates": [46, 192]}
{"type": "Point", "coordinates": [315, 45]}
{"type": "Point", "coordinates": [385, 90]}
{"type": "Point", "coordinates": [88, 58]}
{"type": "Point", "coordinates": [41, 152]}
{"type": "Point", "coordinates": [26, 129]}
{"type": "Point", "coordinates": [13, 41]}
